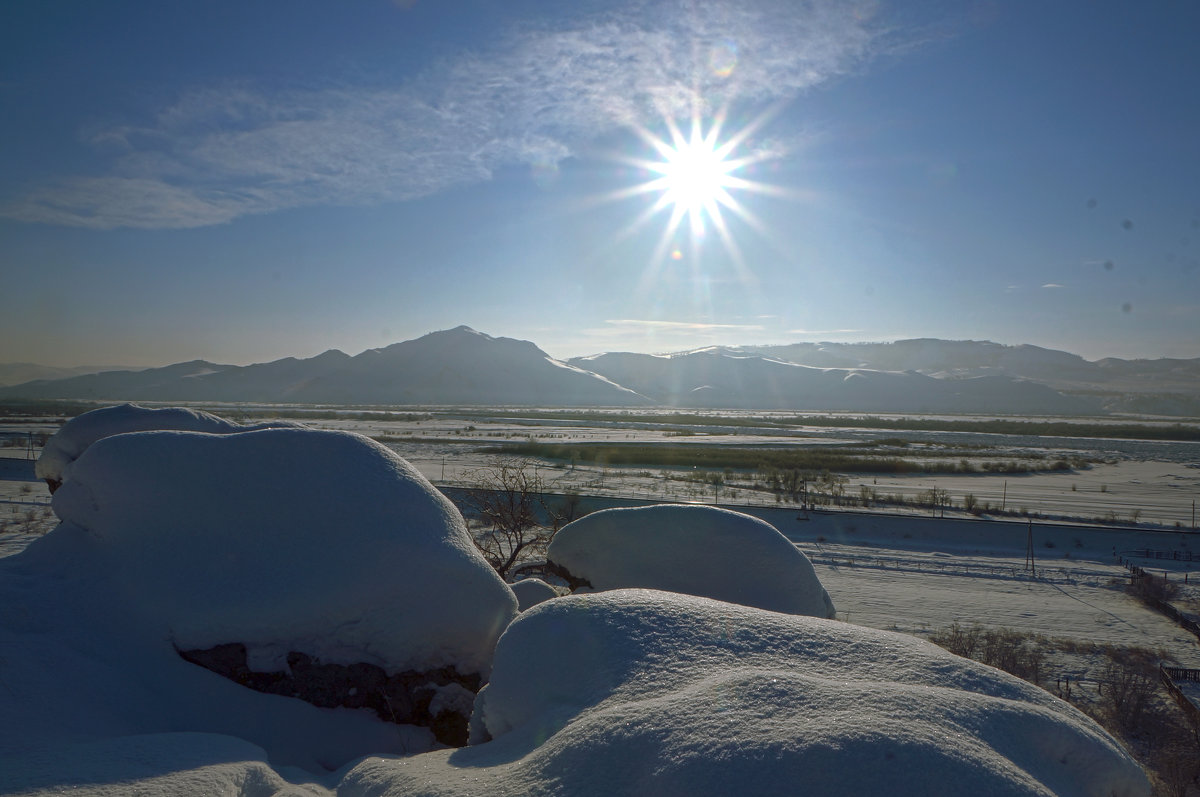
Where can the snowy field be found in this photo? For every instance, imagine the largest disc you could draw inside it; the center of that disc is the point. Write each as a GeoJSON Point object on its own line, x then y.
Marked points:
{"type": "Point", "coordinates": [1157, 481]}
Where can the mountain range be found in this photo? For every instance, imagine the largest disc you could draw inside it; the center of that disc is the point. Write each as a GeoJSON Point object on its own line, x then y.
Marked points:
{"type": "Point", "coordinates": [463, 367]}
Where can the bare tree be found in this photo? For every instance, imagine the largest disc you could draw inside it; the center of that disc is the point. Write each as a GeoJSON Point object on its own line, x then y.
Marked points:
{"type": "Point", "coordinates": [519, 520]}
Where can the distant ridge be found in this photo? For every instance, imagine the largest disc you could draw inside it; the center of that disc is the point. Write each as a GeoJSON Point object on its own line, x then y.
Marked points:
{"type": "Point", "coordinates": [455, 366]}
{"type": "Point", "coordinates": [964, 358]}
{"type": "Point", "coordinates": [19, 373]}
{"type": "Point", "coordinates": [467, 367]}
{"type": "Point", "coordinates": [734, 379]}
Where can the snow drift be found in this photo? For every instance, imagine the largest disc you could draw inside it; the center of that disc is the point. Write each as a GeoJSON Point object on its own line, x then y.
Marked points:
{"type": "Point", "coordinates": [633, 691]}
{"type": "Point", "coordinates": [697, 550]}
{"type": "Point", "coordinates": [81, 431]}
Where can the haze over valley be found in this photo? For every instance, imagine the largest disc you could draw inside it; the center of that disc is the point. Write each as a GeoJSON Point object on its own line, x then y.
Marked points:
{"type": "Point", "coordinates": [463, 366]}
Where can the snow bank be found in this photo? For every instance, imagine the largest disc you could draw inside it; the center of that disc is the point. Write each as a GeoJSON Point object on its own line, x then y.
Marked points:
{"type": "Point", "coordinates": [532, 591]}
{"type": "Point", "coordinates": [696, 550]}
{"type": "Point", "coordinates": [635, 690]}
{"type": "Point", "coordinates": [326, 543]}
{"type": "Point", "coordinates": [81, 431]}
{"type": "Point", "coordinates": [284, 539]}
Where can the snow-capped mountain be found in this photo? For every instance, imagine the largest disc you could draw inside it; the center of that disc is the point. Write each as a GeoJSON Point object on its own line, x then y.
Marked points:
{"type": "Point", "coordinates": [965, 358]}
{"type": "Point", "coordinates": [736, 379]}
{"type": "Point", "coordinates": [463, 366]}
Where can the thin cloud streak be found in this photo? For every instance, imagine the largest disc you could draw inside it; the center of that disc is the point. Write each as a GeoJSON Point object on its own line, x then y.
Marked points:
{"type": "Point", "coordinates": [218, 154]}
{"type": "Point", "coordinates": [688, 325]}
{"type": "Point", "coordinates": [824, 331]}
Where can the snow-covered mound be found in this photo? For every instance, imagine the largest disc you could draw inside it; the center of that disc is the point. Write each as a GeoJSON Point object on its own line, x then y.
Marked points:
{"type": "Point", "coordinates": [637, 691]}
{"type": "Point", "coordinates": [532, 591]}
{"type": "Point", "coordinates": [285, 539]}
{"type": "Point", "coordinates": [326, 543]}
{"type": "Point", "coordinates": [697, 550]}
{"type": "Point", "coordinates": [81, 431]}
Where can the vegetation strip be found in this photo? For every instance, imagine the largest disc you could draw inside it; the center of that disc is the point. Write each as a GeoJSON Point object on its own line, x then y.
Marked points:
{"type": "Point", "coordinates": [1117, 431]}
{"type": "Point", "coordinates": [753, 458]}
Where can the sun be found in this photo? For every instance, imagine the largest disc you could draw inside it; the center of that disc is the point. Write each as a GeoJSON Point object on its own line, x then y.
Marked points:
{"type": "Point", "coordinates": [697, 177]}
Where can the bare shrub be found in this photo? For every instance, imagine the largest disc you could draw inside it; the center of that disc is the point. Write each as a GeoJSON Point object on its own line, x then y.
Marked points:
{"type": "Point", "coordinates": [519, 520]}
{"type": "Point", "coordinates": [1015, 652]}
{"type": "Point", "coordinates": [1126, 691]}
{"type": "Point", "coordinates": [1150, 589]}
{"type": "Point", "coordinates": [1177, 768]}
{"type": "Point", "coordinates": [958, 640]}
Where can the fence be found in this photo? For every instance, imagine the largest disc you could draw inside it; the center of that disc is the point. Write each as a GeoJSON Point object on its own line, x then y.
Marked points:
{"type": "Point", "coordinates": [1182, 674]}
{"type": "Point", "coordinates": [1169, 676]}
{"type": "Point", "coordinates": [1138, 575]}
{"type": "Point", "coordinates": [1177, 556]}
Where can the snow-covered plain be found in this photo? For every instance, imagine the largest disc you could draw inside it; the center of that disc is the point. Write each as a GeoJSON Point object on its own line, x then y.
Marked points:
{"type": "Point", "coordinates": [597, 693]}
{"type": "Point", "coordinates": [1157, 480]}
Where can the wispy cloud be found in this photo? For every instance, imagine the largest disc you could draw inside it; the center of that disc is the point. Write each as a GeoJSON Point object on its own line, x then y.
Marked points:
{"type": "Point", "coordinates": [811, 332]}
{"type": "Point", "coordinates": [695, 326]}
{"type": "Point", "coordinates": [1053, 285]}
{"type": "Point", "coordinates": [535, 98]}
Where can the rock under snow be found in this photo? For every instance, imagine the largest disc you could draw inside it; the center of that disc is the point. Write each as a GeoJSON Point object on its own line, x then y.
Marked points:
{"type": "Point", "coordinates": [697, 550]}
{"type": "Point", "coordinates": [638, 691]}
{"type": "Point", "coordinates": [81, 431]}
{"type": "Point", "coordinates": [310, 554]}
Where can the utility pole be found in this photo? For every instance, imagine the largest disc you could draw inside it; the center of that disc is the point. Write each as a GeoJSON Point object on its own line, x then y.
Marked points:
{"type": "Point", "coordinates": [1004, 499]}
{"type": "Point", "coordinates": [1029, 563]}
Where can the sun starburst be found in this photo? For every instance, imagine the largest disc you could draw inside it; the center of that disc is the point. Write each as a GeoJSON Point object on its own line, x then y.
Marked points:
{"type": "Point", "coordinates": [697, 176]}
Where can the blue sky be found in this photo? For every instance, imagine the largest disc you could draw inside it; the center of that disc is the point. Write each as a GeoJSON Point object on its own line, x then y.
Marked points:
{"type": "Point", "coordinates": [245, 181]}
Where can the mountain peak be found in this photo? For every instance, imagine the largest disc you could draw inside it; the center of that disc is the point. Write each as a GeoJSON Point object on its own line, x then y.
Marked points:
{"type": "Point", "coordinates": [461, 329]}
